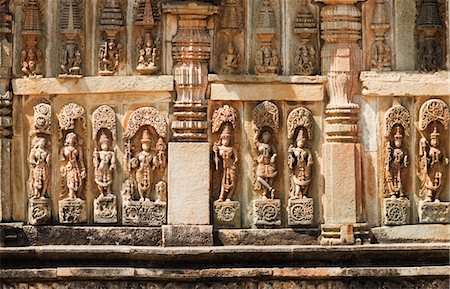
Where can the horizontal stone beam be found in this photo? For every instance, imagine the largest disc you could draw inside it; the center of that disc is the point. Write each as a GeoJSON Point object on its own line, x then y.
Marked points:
{"type": "Point", "coordinates": [405, 83]}
{"type": "Point", "coordinates": [93, 85]}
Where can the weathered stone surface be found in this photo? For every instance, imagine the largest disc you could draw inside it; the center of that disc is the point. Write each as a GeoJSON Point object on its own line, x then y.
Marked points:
{"type": "Point", "coordinates": [396, 211]}
{"type": "Point", "coordinates": [105, 210]}
{"type": "Point", "coordinates": [434, 212]}
{"type": "Point", "coordinates": [93, 84]}
{"type": "Point", "coordinates": [188, 201]}
{"type": "Point", "coordinates": [264, 237]}
{"type": "Point", "coordinates": [424, 233]}
{"type": "Point", "coordinates": [300, 211]}
{"type": "Point", "coordinates": [187, 235]}
{"type": "Point", "coordinates": [5, 183]}
{"type": "Point", "coordinates": [145, 213]}
{"type": "Point", "coordinates": [72, 211]}
{"type": "Point", "coordinates": [405, 84]}
{"type": "Point", "coordinates": [75, 235]}
{"type": "Point", "coordinates": [266, 212]}
{"type": "Point", "coordinates": [227, 214]}
{"type": "Point", "coordinates": [39, 211]}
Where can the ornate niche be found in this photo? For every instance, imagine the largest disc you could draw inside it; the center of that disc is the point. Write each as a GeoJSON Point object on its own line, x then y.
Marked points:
{"type": "Point", "coordinates": [31, 56]}
{"type": "Point", "coordinates": [39, 164]}
{"type": "Point", "coordinates": [104, 160]}
{"type": "Point", "coordinates": [227, 213]}
{"type": "Point", "coordinates": [430, 35]}
{"type": "Point", "coordinates": [267, 57]}
{"type": "Point", "coordinates": [72, 126]}
{"type": "Point", "coordinates": [397, 127]}
{"type": "Point", "coordinates": [266, 124]}
{"type": "Point", "coordinates": [300, 161]}
{"type": "Point", "coordinates": [112, 23]}
{"type": "Point", "coordinates": [433, 161]}
{"type": "Point", "coordinates": [380, 51]}
{"type": "Point", "coordinates": [148, 46]}
{"type": "Point", "coordinates": [306, 51]}
{"type": "Point", "coordinates": [230, 43]}
{"type": "Point", "coordinates": [6, 46]}
{"type": "Point", "coordinates": [145, 190]}
{"type": "Point", "coordinates": [71, 33]}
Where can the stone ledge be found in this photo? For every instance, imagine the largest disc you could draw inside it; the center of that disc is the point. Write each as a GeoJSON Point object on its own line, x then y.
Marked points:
{"type": "Point", "coordinates": [93, 85]}
{"type": "Point", "coordinates": [425, 233]}
{"type": "Point", "coordinates": [405, 83]}
{"type": "Point", "coordinates": [267, 237]}
{"type": "Point", "coordinates": [255, 88]}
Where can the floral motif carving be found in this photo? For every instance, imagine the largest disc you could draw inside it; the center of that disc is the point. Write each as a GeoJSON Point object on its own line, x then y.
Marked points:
{"type": "Point", "coordinates": [266, 114]}
{"type": "Point", "coordinates": [434, 110]}
{"type": "Point", "coordinates": [300, 211]}
{"type": "Point", "coordinates": [43, 118]}
{"type": "Point", "coordinates": [104, 117]}
{"type": "Point", "coordinates": [146, 116]}
{"type": "Point", "coordinates": [69, 113]}
{"type": "Point", "coordinates": [397, 115]}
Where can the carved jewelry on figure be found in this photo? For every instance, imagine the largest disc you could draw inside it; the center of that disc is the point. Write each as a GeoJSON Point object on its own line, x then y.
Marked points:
{"type": "Point", "coordinates": [146, 161]}
{"type": "Point", "coordinates": [31, 57]}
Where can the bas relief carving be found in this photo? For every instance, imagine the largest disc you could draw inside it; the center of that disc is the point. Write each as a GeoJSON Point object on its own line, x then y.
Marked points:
{"type": "Point", "coordinates": [397, 126]}
{"type": "Point", "coordinates": [380, 55]}
{"type": "Point", "coordinates": [146, 161]}
{"type": "Point", "coordinates": [433, 160]}
{"type": "Point", "coordinates": [266, 125]}
{"type": "Point", "coordinates": [104, 160]}
{"type": "Point", "coordinates": [73, 167]}
{"type": "Point", "coordinates": [300, 161]}
{"type": "Point", "coordinates": [227, 211]}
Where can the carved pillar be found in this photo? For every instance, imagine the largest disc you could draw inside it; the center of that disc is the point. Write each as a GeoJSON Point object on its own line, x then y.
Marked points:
{"type": "Point", "coordinates": [6, 50]}
{"type": "Point", "coordinates": [189, 174]}
{"type": "Point", "coordinates": [341, 62]}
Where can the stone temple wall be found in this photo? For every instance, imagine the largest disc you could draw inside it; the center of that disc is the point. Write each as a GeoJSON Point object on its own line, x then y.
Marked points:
{"type": "Point", "coordinates": [224, 144]}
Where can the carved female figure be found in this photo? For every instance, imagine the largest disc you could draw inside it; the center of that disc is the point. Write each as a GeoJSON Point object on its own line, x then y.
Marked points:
{"type": "Point", "coordinates": [223, 149]}
{"type": "Point", "coordinates": [265, 163]}
{"type": "Point", "coordinates": [74, 169]}
{"type": "Point", "coordinates": [145, 162]}
{"type": "Point", "coordinates": [104, 165]}
{"type": "Point", "coordinates": [300, 161]}
{"type": "Point", "coordinates": [39, 160]}
{"type": "Point", "coordinates": [397, 159]}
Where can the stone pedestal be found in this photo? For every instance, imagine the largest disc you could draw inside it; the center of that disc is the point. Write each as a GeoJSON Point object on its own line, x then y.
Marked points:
{"type": "Point", "coordinates": [300, 212]}
{"type": "Point", "coordinates": [105, 210]}
{"type": "Point", "coordinates": [395, 211]}
{"type": "Point", "coordinates": [39, 212]}
{"type": "Point", "coordinates": [227, 214]}
{"type": "Point", "coordinates": [434, 212]}
{"type": "Point", "coordinates": [144, 213]}
{"type": "Point", "coordinates": [266, 213]}
{"type": "Point", "coordinates": [72, 211]}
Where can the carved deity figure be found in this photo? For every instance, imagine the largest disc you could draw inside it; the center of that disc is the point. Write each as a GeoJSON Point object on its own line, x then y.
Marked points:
{"type": "Point", "coordinates": [265, 163]}
{"type": "Point", "coordinates": [381, 54]}
{"type": "Point", "coordinates": [224, 150]}
{"type": "Point", "coordinates": [230, 60]}
{"type": "Point", "coordinates": [266, 61]}
{"type": "Point", "coordinates": [145, 161]}
{"type": "Point", "coordinates": [39, 161]}
{"type": "Point", "coordinates": [104, 165]}
{"type": "Point", "coordinates": [31, 59]}
{"type": "Point", "coordinates": [70, 61]}
{"type": "Point", "coordinates": [109, 56]}
{"type": "Point", "coordinates": [396, 161]}
{"type": "Point", "coordinates": [433, 165]}
{"type": "Point", "coordinates": [74, 168]}
{"type": "Point", "coordinates": [300, 161]}
{"type": "Point", "coordinates": [305, 58]}
{"type": "Point", "coordinates": [148, 54]}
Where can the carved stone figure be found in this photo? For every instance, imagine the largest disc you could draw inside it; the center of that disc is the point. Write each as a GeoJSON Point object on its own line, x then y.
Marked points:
{"type": "Point", "coordinates": [104, 165]}
{"type": "Point", "coordinates": [433, 159]}
{"type": "Point", "coordinates": [148, 51]}
{"type": "Point", "coordinates": [146, 168]}
{"type": "Point", "coordinates": [230, 60]}
{"type": "Point", "coordinates": [396, 160]}
{"type": "Point", "coordinates": [109, 56]}
{"type": "Point", "coordinates": [265, 123]}
{"type": "Point", "coordinates": [39, 162]}
{"type": "Point", "coordinates": [266, 60]}
{"type": "Point", "coordinates": [300, 161]}
{"type": "Point", "coordinates": [380, 58]}
{"type": "Point", "coordinates": [71, 27]}
{"type": "Point", "coordinates": [73, 168]}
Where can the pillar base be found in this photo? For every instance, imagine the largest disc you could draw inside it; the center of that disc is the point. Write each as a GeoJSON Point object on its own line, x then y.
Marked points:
{"type": "Point", "coordinates": [344, 234]}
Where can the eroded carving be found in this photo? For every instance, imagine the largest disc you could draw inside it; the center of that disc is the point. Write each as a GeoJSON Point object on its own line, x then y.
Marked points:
{"type": "Point", "coordinates": [380, 58]}
{"type": "Point", "coordinates": [267, 59]}
{"type": "Point", "coordinates": [147, 43]}
{"type": "Point", "coordinates": [42, 118]}
{"type": "Point", "coordinates": [71, 25]}
{"type": "Point", "coordinates": [31, 57]}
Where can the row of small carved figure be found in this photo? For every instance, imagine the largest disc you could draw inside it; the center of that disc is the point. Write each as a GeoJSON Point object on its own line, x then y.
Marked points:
{"type": "Point", "coordinates": [437, 283]}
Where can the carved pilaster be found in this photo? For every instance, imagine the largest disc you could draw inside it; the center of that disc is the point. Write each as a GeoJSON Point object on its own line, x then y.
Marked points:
{"type": "Point", "coordinates": [71, 30]}
{"type": "Point", "coordinates": [191, 54]}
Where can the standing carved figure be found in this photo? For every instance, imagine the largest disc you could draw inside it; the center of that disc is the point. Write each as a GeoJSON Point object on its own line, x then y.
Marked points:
{"type": "Point", "coordinates": [104, 165]}
{"type": "Point", "coordinates": [396, 160]}
{"type": "Point", "coordinates": [39, 160]}
{"type": "Point", "coordinates": [266, 163]}
{"type": "Point", "coordinates": [73, 168]}
{"type": "Point", "coordinates": [224, 150]}
{"type": "Point", "coordinates": [300, 161]}
{"type": "Point", "coordinates": [145, 161]}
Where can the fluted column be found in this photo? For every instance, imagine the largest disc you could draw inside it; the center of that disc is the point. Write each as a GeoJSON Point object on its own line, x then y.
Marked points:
{"type": "Point", "coordinates": [341, 62]}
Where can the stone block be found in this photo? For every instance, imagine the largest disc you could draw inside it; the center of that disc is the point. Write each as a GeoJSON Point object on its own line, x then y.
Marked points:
{"type": "Point", "coordinates": [105, 210]}
{"type": "Point", "coordinates": [39, 211]}
{"type": "Point", "coordinates": [267, 237]}
{"type": "Point", "coordinates": [188, 184]}
{"type": "Point", "coordinates": [300, 211]}
{"type": "Point", "coordinates": [421, 233]}
{"type": "Point", "coordinates": [144, 213]}
{"type": "Point", "coordinates": [266, 212]}
{"type": "Point", "coordinates": [434, 212]}
{"type": "Point", "coordinates": [395, 211]}
{"type": "Point", "coordinates": [187, 235]}
{"type": "Point", "coordinates": [227, 214]}
{"type": "Point", "coordinates": [72, 211]}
